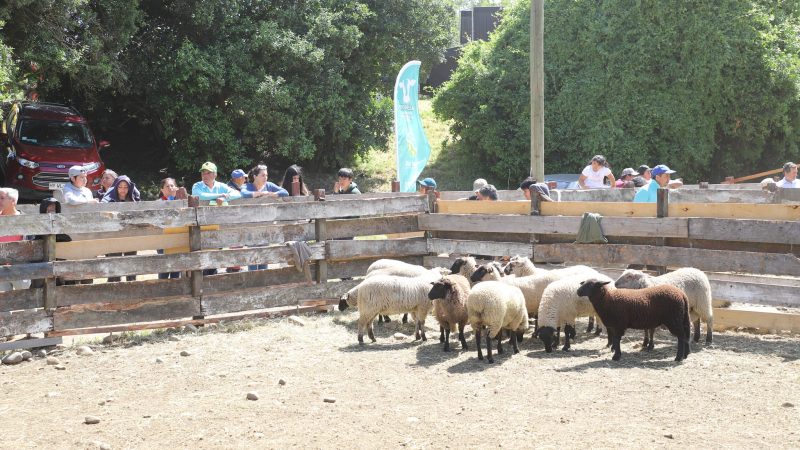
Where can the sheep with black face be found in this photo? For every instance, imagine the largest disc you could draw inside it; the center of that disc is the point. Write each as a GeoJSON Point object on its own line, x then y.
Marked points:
{"type": "Point", "coordinates": [449, 296]}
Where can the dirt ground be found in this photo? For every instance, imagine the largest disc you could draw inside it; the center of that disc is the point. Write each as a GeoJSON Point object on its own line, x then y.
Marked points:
{"type": "Point", "coordinates": [743, 391]}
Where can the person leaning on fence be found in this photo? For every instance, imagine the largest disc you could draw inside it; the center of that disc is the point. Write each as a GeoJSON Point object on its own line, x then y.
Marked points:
{"type": "Point", "coordinates": [123, 190]}
{"type": "Point", "coordinates": [238, 179]}
{"type": "Point", "coordinates": [427, 185]}
{"type": "Point", "coordinates": [209, 189]}
{"type": "Point", "coordinates": [789, 179]}
{"type": "Point", "coordinates": [345, 183]}
{"type": "Point", "coordinates": [53, 206]}
{"type": "Point", "coordinates": [477, 185]}
{"type": "Point", "coordinates": [487, 193]}
{"type": "Point", "coordinates": [258, 186]}
{"type": "Point", "coordinates": [661, 178]}
{"type": "Point", "coordinates": [106, 181]}
{"type": "Point", "coordinates": [594, 174]}
{"type": "Point", "coordinates": [169, 191]}
{"type": "Point", "coordinates": [8, 207]}
{"type": "Point", "coordinates": [626, 178]}
{"type": "Point", "coordinates": [294, 173]}
{"type": "Point", "coordinates": [76, 192]}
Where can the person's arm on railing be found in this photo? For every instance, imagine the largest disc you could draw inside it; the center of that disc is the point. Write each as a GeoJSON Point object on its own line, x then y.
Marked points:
{"type": "Point", "coordinates": [272, 187]}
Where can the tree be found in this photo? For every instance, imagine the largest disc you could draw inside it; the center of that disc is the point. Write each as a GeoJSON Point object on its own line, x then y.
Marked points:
{"type": "Point", "coordinates": [710, 88]}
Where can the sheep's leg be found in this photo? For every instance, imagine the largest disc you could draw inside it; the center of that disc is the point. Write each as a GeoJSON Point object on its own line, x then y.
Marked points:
{"type": "Point", "coordinates": [405, 318]}
{"type": "Point", "coordinates": [681, 348]}
{"type": "Point", "coordinates": [447, 338]}
{"type": "Point", "coordinates": [598, 330]}
{"type": "Point", "coordinates": [616, 347]}
{"type": "Point", "coordinates": [697, 330]}
{"type": "Point", "coordinates": [489, 347]}
{"type": "Point", "coordinates": [535, 325]}
{"type": "Point", "coordinates": [709, 329]}
{"type": "Point", "coordinates": [591, 324]}
{"type": "Point", "coordinates": [514, 346]}
{"type": "Point", "coordinates": [478, 342]}
{"type": "Point", "coordinates": [569, 332]}
{"type": "Point", "coordinates": [499, 338]}
{"type": "Point", "coordinates": [421, 325]}
{"type": "Point", "coordinates": [362, 325]}
{"type": "Point", "coordinates": [441, 333]}
{"type": "Point", "coordinates": [461, 336]}
{"type": "Point", "coordinates": [371, 331]}
{"type": "Point", "coordinates": [652, 343]}
{"type": "Point", "coordinates": [558, 337]}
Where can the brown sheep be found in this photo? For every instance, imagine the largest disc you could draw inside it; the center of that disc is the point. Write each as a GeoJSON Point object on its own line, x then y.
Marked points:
{"type": "Point", "coordinates": [450, 307]}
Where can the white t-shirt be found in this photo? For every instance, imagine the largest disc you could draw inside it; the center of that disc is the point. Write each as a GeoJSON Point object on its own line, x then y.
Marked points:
{"type": "Point", "coordinates": [594, 179]}
{"type": "Point", "coordinates": [784, 183]}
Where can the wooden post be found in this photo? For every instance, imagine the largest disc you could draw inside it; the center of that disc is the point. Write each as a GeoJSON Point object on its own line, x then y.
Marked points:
{"type": "Point", "coordinates": [537, 88]}
{"type": "Point", "coordinates": [431, 193]}
{"type": "Point", "coordinates": [195, 245]}
{"type": "Point", "coordinates": [704, 185]}
{"type": "Point", "coordinates": [395, 186]}
{"type": "Point", "coordinates": [295, 188]}
{"type": "Point", "coordinates": [536, 203]}
{"type": "Point", "coordinates": [321, 235]}
{"type": "Point", "coordinates": [49, 287]}
{"type": "Point", "coordinates": [662, 210]}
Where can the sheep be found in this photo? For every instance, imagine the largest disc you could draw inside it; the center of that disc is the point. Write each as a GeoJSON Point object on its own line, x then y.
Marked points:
{"type": "Point", "coordinates": [521, 266]}
{"type": "Point", "coordinates": [643, 309]}
{"type": "Point", "coordinates": [450, 307]}
{"type": "Point", "coordinates": [388, 294]}
{"type": "Point", "coordinates": [560, 305]}
{"type": "Point", "coordinates": [401, 269]}
{"type": "Point", "coordinates": [693, 282]}
{"type": "Point", "coordinates": [466, 265]}
{"type": "Point", "coordinates": [532, 286]}
{"type": "Point", "coordinates": [496, 306]}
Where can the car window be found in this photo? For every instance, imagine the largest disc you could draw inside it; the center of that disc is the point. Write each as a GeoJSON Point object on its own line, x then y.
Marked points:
{"type": "Point", "coordinates": [47, 133]}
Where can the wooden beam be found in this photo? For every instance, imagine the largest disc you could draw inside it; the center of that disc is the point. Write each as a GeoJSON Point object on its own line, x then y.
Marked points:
{"type": "Point", "coordinates": [121, 206]}
{"type": "Point", "coordinates": [20, 344]}
{"type": "Point", "coordinates": [767, 321]}
{"type": "Point", "coordinates": [343, 250]}
{"type": "Point", "coordinates": [21, 299]}
{"type": "Point", "coordinates": [30, 271]}
{"type": "Point", "coordinates": [707, 260]}
{"type": "Point", "coordinates": [451, 246]}
{"type": "Point", "coordinates": [740, 211]}
{"type": "Point", "coordinates": [92, 249]}
{"type": "Point", "coordinates": [258, 235]}
{"type": "Point", "coordinates": [502, 195]}
{"type": "Point", "coordinates": [25, 322]}
{"type": "Point", "coordinates": [103, 314]}
{"type": "Point", "coordinates": [121, 220]}
{"type": "Point", "coordinates": [257, 279]}
{"type": "Point", "coordinates": [121, 293]}
{"type": "Point", "coordinates": [606, 209]}
{"type": "Point", "coordinates": [483, 207]}
{"type": "Point", "coordinates": [261, 298]}
{"type": "Point", "coordinates": [755, 293]}
{"type": "Point", "coordinates": [21, 252]}
{"type": "Point", "coordinates": [768, 231]}
{"type": "Point", "coordinates": [26, 224]}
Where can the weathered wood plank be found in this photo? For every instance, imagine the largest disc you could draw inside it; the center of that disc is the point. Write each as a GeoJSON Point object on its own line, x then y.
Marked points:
{"type": "Point", "coordinates": [765, 320]}
{"type": "Point", "coordinates": [121, 293]}
{"type": "Point", "coordinates": [388, 248]}
{"type": "Point", "coordinates": [20, 344]}
{"type": "Point", "coordinates": [372, 226]}
{"type": "Point", "coordinates": [311, 210]}
{"type": "Point", "coordinates": [451, 246]}
{"type": "Point", "coordinates": [683, 195]}
{"type": "Point", "coordinates": [258, 235]}
{"type": "Point", "coordinates": [29, 271]}
{"type": "Point", "coordinates": [708, 260]}
{"type": "Point", "coordinates": [91, 249]}
{"type": "Point", "coordinates": [257, 279]}
{"type": "Point", "coordinates": [21, 252]}
{"type": "Point", "coordinates": [755, 293]}
{"type": "Point", "coordinates": [253, 299]}
{"type": "Point", "coordinates": [27, 224]}
{"type": "Point", "coordinates": [477, 207]}
{"type": "Point", "coordinates": [122, 206]}
{"type": "Point", "coordinates": [207, 259]}
{"type": "Point", "coordinates": [739, 211]}
{"type": "Point", "coordinates": [606, 209]}
{"type": "Point", "coordinates": [24, 322]}
{"type": "Point", "coordinates": [121, 220]}
{"type": "Point", "coordinates": [770, 231]}
{"type": "Point", "coordinates": [502, 195]}
{"type": "Point", "coordinates": [103, 314]}
{"type": "Point", "coordinates": [22, 299]}
{"type": "Point", "coordinates": [592, 195]}
{"type": "Point", "coordinates": [612, 226]}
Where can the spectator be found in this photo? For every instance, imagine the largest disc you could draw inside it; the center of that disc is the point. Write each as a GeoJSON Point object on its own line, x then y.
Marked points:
{"type": "Point", "coordinates": [626, 178]}
{"type": "Point", "coordinates": [123, 190]}
{"type": "Point", "coordinates": [294, 173]}
{"type": "Point", "coordinates": [105, 183]}
{"type": "Point", "coordinates": [487, 193]}
{"type": "Point", "coordinates": [345, 185]}
{"type": "Point", "coordinates": [644, 172]}
{"type": "Point", "coordinates": [169, 191]}
{"type": "Point", "coordinates": [649, 193]}
{"type": "Point", "coordinates": [238, 179]}
{"type": "Point", "coordinates": [426, 185]}
{"type": "Point", "coordinates": [53, 206]}
{"type": "Point", "coordinates": [789, 176]}
{"type": "Point", "coordinates": [525, 186]}
{"type": "Point", "coordinates": [593, 175]}
{"type": "Point", "coordinates": [208, 189]}
{"type": "Point", "coordinates": [259, 186]}
{"type": "Point", "coordinates": [76, 192]}
{"type": "Point", "coordinates": [477, 185]}
{"type": "Point", "coordinates": [8, 207]}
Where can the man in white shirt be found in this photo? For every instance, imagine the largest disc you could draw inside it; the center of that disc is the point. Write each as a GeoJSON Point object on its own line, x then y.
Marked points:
{"type": "Point", "coordinates": [789, 176]}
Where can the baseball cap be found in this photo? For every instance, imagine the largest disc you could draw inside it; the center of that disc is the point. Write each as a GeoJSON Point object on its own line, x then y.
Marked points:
{"type": "Point", "coordinates": [238, 173]}
{"type": "Point", "coordinates": [629, 171]}
{"type": "Point", "coordinates": [660, 169]}
{"type": "Point", "coordinates": [429, 182]}
{"type": "Point", "coordinates": [74, 171]}
{"type": "Point", "coordinates": [209, 166]}
{"type": "Point", "coordinates": [478, 184]}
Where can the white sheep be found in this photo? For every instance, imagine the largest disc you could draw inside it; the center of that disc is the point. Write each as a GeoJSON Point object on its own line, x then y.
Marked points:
{"type": "Point", "coordinates": [693, 282]}
{"type": "Point", "coordinates": [466, 265]}
{"type": "Point", "coordinates": [401, 269]}
{"type": "Point", "coordinates": [560, 306]}
{"type": "Point", "coordinates": [496, 306]}
{"type": "Point", "coordinates": [520, 266]}
{"type": "Point", "coordinates": [387, 294]}
{"type": "Point", "coordinates": [449, 295]}
{"type": "Point", "coordinates": [387, 264]}
{"type": "Point", "coordinates": [532, 286]}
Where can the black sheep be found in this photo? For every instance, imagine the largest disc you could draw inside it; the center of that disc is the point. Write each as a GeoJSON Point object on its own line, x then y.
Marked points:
{"type": "Point", "coordinates": [641, 309]}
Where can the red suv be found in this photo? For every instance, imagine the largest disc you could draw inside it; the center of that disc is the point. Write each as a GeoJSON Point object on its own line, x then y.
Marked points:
{"type": "Point", "coordinates": [42, 141]}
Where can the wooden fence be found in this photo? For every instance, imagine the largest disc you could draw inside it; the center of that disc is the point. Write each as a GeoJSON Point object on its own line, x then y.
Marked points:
{"type": "Point", "coordinates": [752, 260]}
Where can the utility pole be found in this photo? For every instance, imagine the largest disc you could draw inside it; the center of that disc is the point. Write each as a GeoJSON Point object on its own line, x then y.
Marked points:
{"type": "Point", "coordinates": [537, 89]}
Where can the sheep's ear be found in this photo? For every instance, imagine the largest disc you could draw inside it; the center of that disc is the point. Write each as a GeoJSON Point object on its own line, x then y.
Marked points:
{"type": "Point", "coordinates": [432, 283]}
{"type": "Point", "coordinates": [582, 282]}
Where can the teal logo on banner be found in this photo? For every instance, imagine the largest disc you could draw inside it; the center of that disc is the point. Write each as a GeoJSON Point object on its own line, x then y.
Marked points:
{"type": "Point", "coordinates": [413, 149]}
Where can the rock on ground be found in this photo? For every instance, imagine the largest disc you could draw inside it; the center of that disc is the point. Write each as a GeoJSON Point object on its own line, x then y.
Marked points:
{"type": "Point", "coordinates": [91, 420]}
{"type": "Point", "coordinates": [13, 358]}
{"type": "Point", "coordinates": [84, 350]}
{"type": "Point", "coordinates": [252, 395]}
{"type": "Point", "coordinates": [53, 361]}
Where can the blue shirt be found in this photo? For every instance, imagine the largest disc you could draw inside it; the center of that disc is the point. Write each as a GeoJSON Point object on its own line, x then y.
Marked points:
{"type": "Point", "coordinates": [201, 190]}
{"type": "Point", "coordinates": [648, 193]}
{"type": "Point", "coordinates": [249, 188]}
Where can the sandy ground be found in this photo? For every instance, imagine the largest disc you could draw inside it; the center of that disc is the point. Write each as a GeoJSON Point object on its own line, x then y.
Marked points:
{"type": "Point", "coordinates": [743, 391]}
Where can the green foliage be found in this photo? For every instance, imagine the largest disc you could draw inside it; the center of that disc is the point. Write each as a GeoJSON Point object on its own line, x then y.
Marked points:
{"type": "Point", "coordinates": [709, 88]}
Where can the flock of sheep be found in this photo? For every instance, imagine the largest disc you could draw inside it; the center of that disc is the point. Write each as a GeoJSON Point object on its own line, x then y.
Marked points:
{"type": "Point", "coordinates": [499, 300]}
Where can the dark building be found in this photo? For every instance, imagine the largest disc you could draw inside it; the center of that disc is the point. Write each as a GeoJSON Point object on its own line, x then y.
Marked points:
{"type": "Point", "coordinates": [475, 26]}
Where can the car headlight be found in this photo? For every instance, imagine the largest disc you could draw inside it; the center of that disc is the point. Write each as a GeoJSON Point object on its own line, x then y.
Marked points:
{"type": "Point", "coordinates": [26, 163]}
{"type": "Point", "coordinates": [91, 167]}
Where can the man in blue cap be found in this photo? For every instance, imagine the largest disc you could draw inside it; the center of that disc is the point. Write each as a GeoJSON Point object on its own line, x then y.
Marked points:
{"type": "Point", "coordinates": [426, 185]}
{"type": "Point", "coordinates": [661, 178]}
{"type": "Point", "coordinates": [238, 179]}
